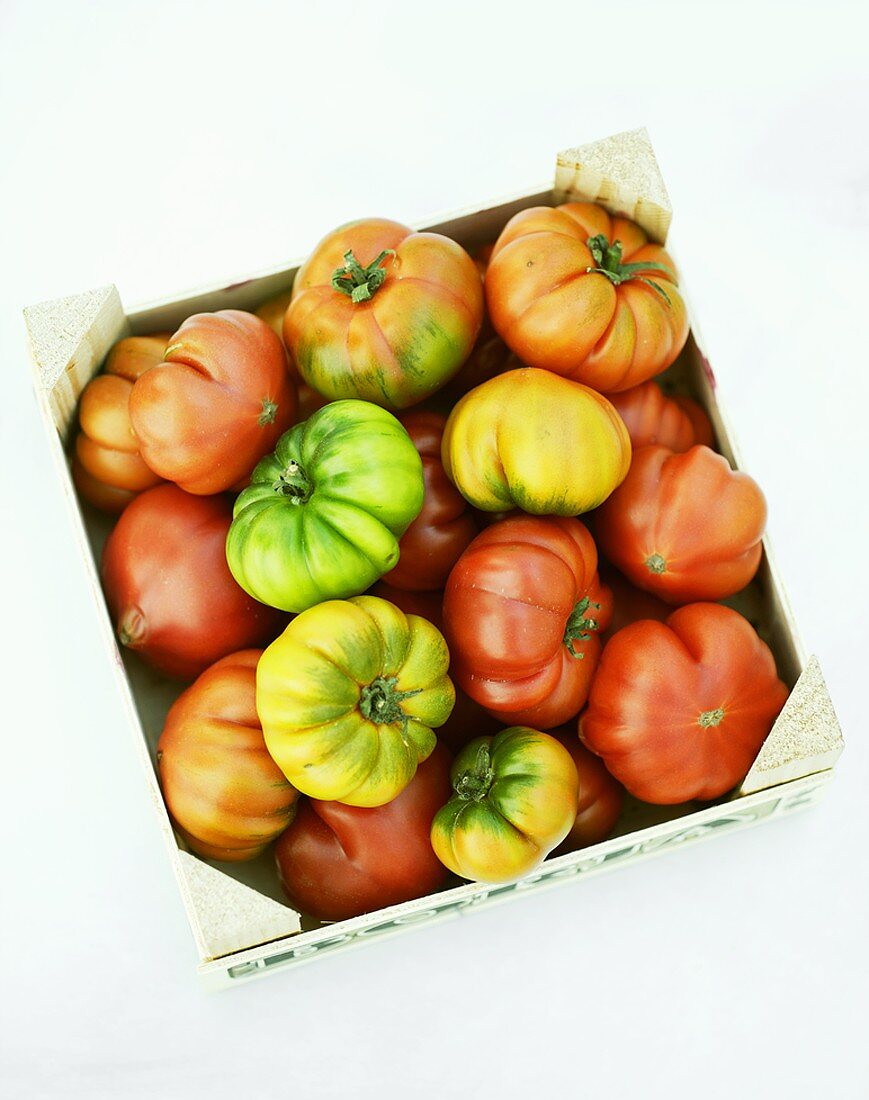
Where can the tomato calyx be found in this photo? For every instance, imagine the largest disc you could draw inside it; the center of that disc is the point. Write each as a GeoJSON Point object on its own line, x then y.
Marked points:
{"type": "Point", "coordinates": [294, 484]}
{"type": "Point", "coordinates": [475, 782]}
{"type": "Point", "coordinates": [268, 413]}
{"type": "Point", "coordinates": [357, 282]}
{"type": "Point", "coordinates": [656, 564]}
{"type": "Point", "coordinates": [711, 718]}
{"type": "Point", "coordinates": [380, 701]}
{"type": "Point", "coordinates": [608, 258]}
{"type": "Point", "coordinates": [580, 626]}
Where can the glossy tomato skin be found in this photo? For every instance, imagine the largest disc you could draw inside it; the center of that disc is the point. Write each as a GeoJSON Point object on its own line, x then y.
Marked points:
{"type": "Point", "coordinates": [349, 697]}
{"type": "Point", "coordinates": [407, 338]}
{"type": "Point", "coordinates": [467, 719]}
{"type": "Point", "coordinates": [322, 516]}
{"type": "Point", "coordinates": [650, 417]}
{"type": "Point", "coordinates": [522, 609]}
{"type": "Point", "coordinates": [556, 312]}
{"type": "Point", "coordinates": [601, 797]}
{"type": "Point", "coordinates": [337, 861]}
{"type": "Point", "coordinates": [629, 603]}
{"type": "Point", "coordinates": [514, 800]}
{"type": "Point", "coordinates": [216, 404]}
{"type": "Point", "coordinates": [684, 527]}
{"type": "Point", "coordinates": [224, 792]}
{"type": "Point", "coordinates": [432, 544]}
{"type": "Point", "coordinates": [703, 431]}
{"type": "Point", "coordinates": [107, 468]}
{"type": "Point", "coordinates": [531, 440]}
{"type": "Point", "coordinates": [169, 589]}
{"type": "Point", "coordinates": [679, 710]}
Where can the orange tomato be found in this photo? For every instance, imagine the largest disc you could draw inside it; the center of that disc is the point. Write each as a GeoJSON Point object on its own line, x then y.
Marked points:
{"type": "Point", "coordinates": [218, 402]}
{"type": "Point", "coordinates": [107, 468]}
{"type": "Point", "coordinates": [223, 790]}
{"type": "Point", "coordinates": [272, 312]}
{"type": "Point", "coordinates": [579, 292]}
{"type": "Point", "coordinates": [684, 527]}
{"type": "Point", "coordinates": [650, 417]}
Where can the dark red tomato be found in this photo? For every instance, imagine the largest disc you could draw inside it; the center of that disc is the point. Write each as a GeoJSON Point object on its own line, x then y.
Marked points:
{"type": "Point", "coordinates": [337, 861]}
{"type": "Point", "coordinates": [432, 544]}
{"type": "Point", "coordinates": [695, 412]}
{"type": "Point", "coordinates": [522, 610]}
{"type": "Point", "coordinates": [468, 719]}
{"type": "Point", "coordinates": [600, 796]}
{"type": "Point", "coordinates": [169, 589]}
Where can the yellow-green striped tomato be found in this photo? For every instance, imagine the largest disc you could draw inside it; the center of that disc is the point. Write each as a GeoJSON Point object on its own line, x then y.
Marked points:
{"type": "Point", "coordinates": [530, 439]}
{"type": "Point", "coordinates": [323, 514]}
{"type": "Point", "coordinates": [515, 799]}
{"type": "Point", "coordinates": [349, 696]}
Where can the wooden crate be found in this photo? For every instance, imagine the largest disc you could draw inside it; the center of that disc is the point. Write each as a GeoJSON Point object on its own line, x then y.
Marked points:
{"type": "Point", "coordinates": [240, 923]}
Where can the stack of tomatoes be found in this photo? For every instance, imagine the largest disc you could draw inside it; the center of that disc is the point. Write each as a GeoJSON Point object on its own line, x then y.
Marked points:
{"type": "Point", "coordinates": [351, 521]}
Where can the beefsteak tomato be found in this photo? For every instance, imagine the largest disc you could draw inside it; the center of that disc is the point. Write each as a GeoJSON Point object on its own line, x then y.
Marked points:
{"type": "Point", "coordinates": [383, 313]}
{"type": "Point", "coordinates": [323, 514]}
{"type": "Point", "coordinates": [272, 312]}
{"type": "Point", "coordinates": [679, 710]}
{"type": "Point", "coordinates": [684, 527]}
{"type": "Point", "coordinates": [430, 547]}
{"type": "Point", "coordinates": [522, 609]}
{"type": "Point", "coordinates": [227, 796]}
{"type": "Point", "coordinates": [514, 799]}
{"type": "Point", "coordinates": [337, 861]}
{"type": "Point", "coordinates": [216, 404]}
{"type": "Point", "coordinates": [601, 797]}
{"type": "Point", "coordinates": [586, 295]}
{"type": "Point", "coordinates": [349, 696]}
{"type": "Point", "coordinates": [532, 440]}
{"type": "Point", "coordinates": [168, 586]}
{"type": "Point", "coordinates": [107, 468]}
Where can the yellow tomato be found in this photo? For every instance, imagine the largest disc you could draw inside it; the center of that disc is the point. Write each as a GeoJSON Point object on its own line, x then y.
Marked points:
{"type": "Point", "coordinates": [530, 439]}
{"type": "Point", "coordinates": [348, 697]}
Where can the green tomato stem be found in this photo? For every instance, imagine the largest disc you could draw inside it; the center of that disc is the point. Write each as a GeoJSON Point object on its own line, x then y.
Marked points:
{"type": "Point", "coordinates": [580, 626]}
{"type": "Point", "coordinates": [294, 484]}
{"type": "Point", "coordinates": [476, 782]}
{"type": "Point", "coordinates": [357, 282]}
{"type": "Point", "coordinates": [608, 262]}
{"type": "Point", "coordinates": [380, 701]}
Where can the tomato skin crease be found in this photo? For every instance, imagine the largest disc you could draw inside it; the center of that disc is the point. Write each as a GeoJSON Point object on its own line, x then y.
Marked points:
{"type": "Point", "coordinates": [679, 710]}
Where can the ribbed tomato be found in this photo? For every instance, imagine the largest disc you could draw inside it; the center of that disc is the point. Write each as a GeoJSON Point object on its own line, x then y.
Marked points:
{"type": "Point", "coordinates": [272, 312]}
{"type": "Point", "coordinates": [169, 589]}
{"type": "Point", "coordinates": [337, 861]}
{"type": "Point", "coordinates": [579, 292]}
{"type": "Point", "coordinates": [216, 404]}
{"type": "Point", "coordinates": [684, 526]}
{"type": "Point", "coordinates": [532, 440]}
{"type": "Point", "coordinates": [107, 468]}
{"type": "Point", "coordinates": [227, 796]}
{"type": "Point", "coordinates": [601, 797]}
{"type": "Point", "coordinates": [430, 547]}
{"type": "Point", "coordinates": [522, 609]}
{"type": "Point", "coordinates": [679, 710]}
{"type": "Point", "coordinates": [382, 313]}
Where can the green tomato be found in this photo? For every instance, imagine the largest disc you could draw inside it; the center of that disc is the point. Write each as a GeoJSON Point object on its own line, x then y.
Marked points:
{"type": "Point", "coordinates": [323, 515]}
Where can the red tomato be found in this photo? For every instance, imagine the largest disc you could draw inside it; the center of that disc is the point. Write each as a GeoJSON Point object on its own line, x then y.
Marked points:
{"type": "Point", "coordinates": [586, 295]}
{"type": "Point", "coordinates": [600, 796]}
{"type": "Point", "coordinates": [430, 547]}
{"type": "Point", "coordinates": [168, 586]}
{"type": "Point", "coordinates": [226, 795]}
{"type": "Point", "coordinates": [684, 526]}
{"type": "Point", "coordinates": [468, 719]}
{"type": "Point", "coordinates": [679, 710]}
{"type": "Point", "coordinates": [522, 609]}
{"type": "Point", "coordinates": [337, 861]}
{"type": "Point", "coordinates": [218, 402]}
{"type": "Point", "coordinates": [695, 412]}
{"type": "Point", "coordinates": [650, 417]}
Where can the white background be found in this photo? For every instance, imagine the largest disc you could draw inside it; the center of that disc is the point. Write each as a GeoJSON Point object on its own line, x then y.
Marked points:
{"type": "Point", "coordinates": [165, 145]}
